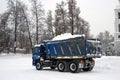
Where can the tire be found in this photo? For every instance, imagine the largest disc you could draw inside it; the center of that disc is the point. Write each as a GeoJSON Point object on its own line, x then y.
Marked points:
{"type": "Point", "coordinates": [73, 66]}
{"type": "Point", "coordinates": [87, 69]}
{"type": "Point", "coordinates": [39, 66]}
{"type": "Point", "coordinates": [62, 66]}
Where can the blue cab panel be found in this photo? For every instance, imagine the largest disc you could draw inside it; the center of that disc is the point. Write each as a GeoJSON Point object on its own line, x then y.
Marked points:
{"type": "Point", "coordinates": [35, 54]}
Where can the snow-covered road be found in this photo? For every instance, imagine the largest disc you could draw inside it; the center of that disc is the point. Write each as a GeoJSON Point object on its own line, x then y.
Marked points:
{"type": "Point", "coordinates": [19, 67]}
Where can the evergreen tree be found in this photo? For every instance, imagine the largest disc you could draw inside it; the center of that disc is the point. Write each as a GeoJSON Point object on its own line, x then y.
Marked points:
{"type": "Point", "coordinates": [49, 22]}
{"type": "Point", "coordinates": [60, 23]}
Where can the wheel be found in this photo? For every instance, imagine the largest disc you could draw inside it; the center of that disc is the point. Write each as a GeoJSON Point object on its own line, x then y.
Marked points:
{"type": "Point", "coordinates": [73, 67]}
{"type": "Point", "coordinates": [52, 67]}
{"type": "Point", "coordinates": [87, 69]}
{"type": "Point", "coordinates": [62, 66]}
{"type": "Point", "coordinates": [38, 66]}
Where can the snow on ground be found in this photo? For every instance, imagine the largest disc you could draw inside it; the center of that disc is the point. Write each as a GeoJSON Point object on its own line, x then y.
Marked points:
{"type": "Point", "coordinates": [66, 36]}
{"type": "Point", "coordinates": [19, 67]}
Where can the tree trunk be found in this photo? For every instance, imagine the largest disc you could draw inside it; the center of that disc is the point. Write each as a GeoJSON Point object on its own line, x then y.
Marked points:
{"type": "Point", "coordinates": [15, 33]}
{"type": "Point", "coordinates": [28, 29]}
{"type": "Point", "coordinates": [36, 14]}
{"type": "Point", "coordinates": [72, 25]}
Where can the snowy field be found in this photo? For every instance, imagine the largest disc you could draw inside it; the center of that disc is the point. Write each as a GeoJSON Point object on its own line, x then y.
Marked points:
{"type": "Point", "coordinates": [19, 67]}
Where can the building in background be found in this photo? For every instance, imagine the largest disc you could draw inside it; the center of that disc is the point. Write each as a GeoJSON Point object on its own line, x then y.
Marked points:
{"type": "Point", "coordinates": [117, 28]}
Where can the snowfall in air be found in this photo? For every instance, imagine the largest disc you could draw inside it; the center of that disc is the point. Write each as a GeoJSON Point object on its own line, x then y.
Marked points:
{"type": "Point", "coordinates": [19, 67]}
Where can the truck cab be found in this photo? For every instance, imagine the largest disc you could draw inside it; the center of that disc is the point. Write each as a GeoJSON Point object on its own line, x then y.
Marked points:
{"type": "Point", "coordinates": [35, 54]}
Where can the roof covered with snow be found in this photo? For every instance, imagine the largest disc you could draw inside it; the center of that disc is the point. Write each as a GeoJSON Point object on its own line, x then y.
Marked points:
{"type": "Point", "coordinates": [37, 45]}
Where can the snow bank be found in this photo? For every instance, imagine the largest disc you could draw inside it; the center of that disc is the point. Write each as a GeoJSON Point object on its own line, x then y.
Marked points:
{"type": "Point", "coordinates": [66, 36]}
{"type": "Point", "coordinates": [6, 54]}
{"type": "Point", "coordinates": [3, 54]}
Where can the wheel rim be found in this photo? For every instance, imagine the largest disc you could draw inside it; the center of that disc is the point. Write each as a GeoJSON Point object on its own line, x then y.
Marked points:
{"type": "Point", "coordinates": [61, 66]}
{"type": "Point", "coordinates": [73, 67]}
{"type": "Point", "coordinates": [38, 66]}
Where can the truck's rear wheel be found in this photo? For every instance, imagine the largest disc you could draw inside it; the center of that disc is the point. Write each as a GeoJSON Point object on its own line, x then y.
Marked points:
{"type": "Point", "coordinates": [62, 66]}
{"type": "Point", "coordinates": [73, 67]}
{"type": "Point", "coordinates": [87, 69]}
{"type": "Point", "coordinates": [38, 66]}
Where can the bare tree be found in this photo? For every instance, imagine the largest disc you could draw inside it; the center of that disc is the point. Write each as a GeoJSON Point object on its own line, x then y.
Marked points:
{"type": "Point", "coordinates": [18, 20]}
{"type": "Point", "coordinates": [67, 19]}
{"type": "Point", "coordinates": [106, 38]}
{"type": "Point", "coordinates": [4, 31]}
{"type": "Point", "coordinates": [38, 14]}
{"type": "Point", "coordinates": [14, 7]}
{"type": "Point", "coordinates": [27, 24]}
{"type": "Point", "coordinates": [77, 24]}
{"type": "Point", "coordinates": [15, 23]}
{"type": "Point", "coordinates": [71, 8]}
{"type": "Point", "coordinates": [84, 28]}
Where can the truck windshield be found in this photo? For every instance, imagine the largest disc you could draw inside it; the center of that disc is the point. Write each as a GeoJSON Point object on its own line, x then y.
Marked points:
{"type": "Point", "coordinates": [36, 49]}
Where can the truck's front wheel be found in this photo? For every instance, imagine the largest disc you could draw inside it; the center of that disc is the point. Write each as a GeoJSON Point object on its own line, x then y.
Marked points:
{"type": "Point", "coordinates": [38, 66]}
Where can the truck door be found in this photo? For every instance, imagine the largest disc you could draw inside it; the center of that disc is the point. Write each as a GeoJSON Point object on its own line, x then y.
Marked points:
{"type": "Point", "coordinates": [35, 54]}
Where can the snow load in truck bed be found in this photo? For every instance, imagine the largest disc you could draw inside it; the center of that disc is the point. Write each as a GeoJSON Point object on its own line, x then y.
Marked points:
{"type": "Point", "coordinates": [66, 36]}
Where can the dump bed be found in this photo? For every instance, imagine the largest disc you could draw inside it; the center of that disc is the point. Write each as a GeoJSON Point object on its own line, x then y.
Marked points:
{"type": "Point", "coordinates": [68, 48]}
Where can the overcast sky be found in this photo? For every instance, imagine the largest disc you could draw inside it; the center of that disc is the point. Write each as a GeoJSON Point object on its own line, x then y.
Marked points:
{"type": "Point", "coordinates": [99, 13]}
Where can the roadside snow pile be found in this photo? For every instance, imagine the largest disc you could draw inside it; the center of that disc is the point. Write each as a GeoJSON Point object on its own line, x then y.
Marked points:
{"type": "Point", "coordinates": [66, 36]}
{"type": "Point", "coordinates": [3, 54]}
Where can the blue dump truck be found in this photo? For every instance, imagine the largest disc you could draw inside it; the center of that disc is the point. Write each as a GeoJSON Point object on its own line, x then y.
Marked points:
{"type": "Point", "coordinates": [73, 54]}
